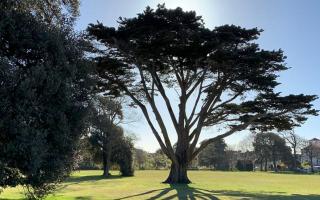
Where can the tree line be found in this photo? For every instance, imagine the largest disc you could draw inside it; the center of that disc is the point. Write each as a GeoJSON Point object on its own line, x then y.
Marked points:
{"type": "Point", "coordinates": [262, 151]}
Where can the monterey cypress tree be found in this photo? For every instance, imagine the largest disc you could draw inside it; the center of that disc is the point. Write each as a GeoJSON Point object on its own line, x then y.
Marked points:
{"type": "Point", "coordinates": [204, 77]}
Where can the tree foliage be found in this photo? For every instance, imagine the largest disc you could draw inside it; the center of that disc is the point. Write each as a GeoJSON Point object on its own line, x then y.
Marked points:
{"type": "Point", "coordinates": [123, 156]}
{"type": "Point", "coordinates": [106, 136]}
{"type": "Point", "coordinates": [296, 143]}
{"type": "Point", "coordinates": [221, 77]}
{"type": "Point", "coordinates": [312, 151]}
{"type": "Point", "coordinates": [273, 148]}
{"type": "Point", "coordinates": [244, 165]}
{"type": "Point", "coordinates": [43, 93]}
{"type": "Point", "coordinates": [145, 160]}
{"type": "Point", "coordinates": [53, 12]}
{"type": "Point", "coordinates": [214, 155]}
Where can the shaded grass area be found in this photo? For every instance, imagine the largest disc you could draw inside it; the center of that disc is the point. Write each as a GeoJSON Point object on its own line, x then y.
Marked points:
{"type": "Point", "coordinates": [90, 185]}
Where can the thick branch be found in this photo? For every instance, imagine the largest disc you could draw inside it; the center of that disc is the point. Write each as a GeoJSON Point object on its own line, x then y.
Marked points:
{"type": "Point", "coordinates": [194, 108]}
{"type": "Point", "coordinates": [167, 150]}
{"type": "Point", "coordinates": [156, 112]}
{"type": "Point", "coordinates": [230, 132]}
{"type": "Point", "coordinates": [233, 130]}
{"type": "Point", "coordinates": [161, 89]}
{"type": "Point", "coordinates": [211, 100]}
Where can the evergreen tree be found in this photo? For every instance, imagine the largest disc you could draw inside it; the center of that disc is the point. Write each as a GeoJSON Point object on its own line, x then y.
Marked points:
{"type": "Point", "coordinates": [214, 155]}
{"type": "Point", "coordinates": [43, 94]}
{"type": "Point", "coordinates": [211, 71]}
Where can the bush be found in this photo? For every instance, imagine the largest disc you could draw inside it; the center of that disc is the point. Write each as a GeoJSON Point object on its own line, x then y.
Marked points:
{"type": "Point", "coordinates": [244, 165]}
{"type": "Point", "coordinates": [123, 156]}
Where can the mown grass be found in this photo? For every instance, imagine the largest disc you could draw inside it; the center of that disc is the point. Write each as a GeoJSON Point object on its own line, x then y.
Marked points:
{"type": "Point", "coordinates": [89, 185]}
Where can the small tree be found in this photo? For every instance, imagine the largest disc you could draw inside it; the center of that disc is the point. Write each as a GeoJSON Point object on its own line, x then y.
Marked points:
{"type": "Point", "coordinates": [262, 150]}
{"type": "Point", "coordinates": [103, 133]}
{"type": "Point", "coordinates": [269, 146]}
{"type": "Point", "coordinates": [211, 71]}
{"type": "Point", "coordinates": [312, 150]}
{"type": "Point", "coordinates": [214, 155]}
{"type": "Point", "coordinates": [296, 143]}
{"type": "Point", "coordinates": [140, 158]}
{"type": "Point", "coordinates": [122, 154]}
{"type": "Point", "coordinates": [244, 165]}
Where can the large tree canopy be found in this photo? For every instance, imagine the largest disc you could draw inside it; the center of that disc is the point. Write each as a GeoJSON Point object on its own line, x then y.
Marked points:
{"type": "Point", "coordinates": [43, 93]}
{"type": "Point", "coordinates": [49, 11]}
{"type": "Point", "coordinates": [220, 76]}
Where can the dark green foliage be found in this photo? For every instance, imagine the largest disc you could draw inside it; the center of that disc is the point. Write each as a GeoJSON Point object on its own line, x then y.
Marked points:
{"type": "Point", "coordinates": [244, 165]}
{"type": "Point", "coordinates": [107, 140]}
{"type": "Point", "coordinates": [43, 90]}
{"type": "Point", "coordinates": [214, 156]}
{"type": "Point", "coordinates": [87, 156]}
{"type": "Point", "coordinates": [273, 148]}
{"type": "Point", "coordinates": [122, 155]}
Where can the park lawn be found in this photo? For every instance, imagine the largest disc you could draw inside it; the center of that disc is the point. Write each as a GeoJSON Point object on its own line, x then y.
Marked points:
{"type": "Point", "coordinates": [89, 185]}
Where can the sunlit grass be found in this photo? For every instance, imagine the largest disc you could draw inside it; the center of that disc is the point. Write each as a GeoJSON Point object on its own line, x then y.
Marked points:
{"type": "Point", "coordinates": [87, 185]}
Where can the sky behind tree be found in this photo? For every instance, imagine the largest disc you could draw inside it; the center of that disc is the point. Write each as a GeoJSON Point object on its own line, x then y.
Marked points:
{"type": "Point", "coordinates": [291, 25]}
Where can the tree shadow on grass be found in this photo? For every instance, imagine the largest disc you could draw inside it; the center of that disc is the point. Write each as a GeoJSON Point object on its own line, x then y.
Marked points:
{"type": "Point", "coordinates": [83, 198]}
{"type": "Point", "coordinates": [186, 192]}
{"type": "Point", "coordinates": [183, 191]}
{"type": "Point", "coordinates": [79, 179]}
{"type": "Point", "coordinates": [76, 198]}
{"type": "Point", "coordinates": [294, 173]}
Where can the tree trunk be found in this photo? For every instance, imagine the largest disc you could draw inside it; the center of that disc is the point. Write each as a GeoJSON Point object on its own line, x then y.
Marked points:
{"type": "Point", "coordinates": [275, 168]}
{"type": "Point", "coordinates": [261, 165]}
{"type": "Point", "coordinates": [294, 158]}
{"type": "Point", "coordinates": [266, 165]}
{"type": "Point", "coordinates": [311, 163]}
{"type": "Point", "coordinates": [178, 174]}
{"type": "Point", "coordinates": [178, 171]}
{"type": "Point", "coordinates": [274, 161]}
{"type": "Point", "coordinates": [106, 154]}
{"type": "Point", "coordinates": [105, 165]}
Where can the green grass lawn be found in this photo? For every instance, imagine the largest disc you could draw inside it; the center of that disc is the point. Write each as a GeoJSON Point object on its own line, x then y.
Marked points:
{"type": "Point", "coordinates": [87, 185]}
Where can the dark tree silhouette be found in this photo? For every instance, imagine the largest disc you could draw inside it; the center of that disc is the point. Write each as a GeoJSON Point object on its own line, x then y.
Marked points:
{"type": "Point", "coordinates": [122, 154]}
{"type": "Point", "coordinates": [220, 76]}
{"type": "Point", "coordinates": [43, 93]}
{"type": "Point", "coordinates": [214, 155]}
{"type": "Point", "coordinates": [110, 148]}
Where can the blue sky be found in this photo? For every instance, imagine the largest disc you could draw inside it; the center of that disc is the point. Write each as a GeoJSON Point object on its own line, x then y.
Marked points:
{"type": "Point", "coordinates": [292, 25]}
